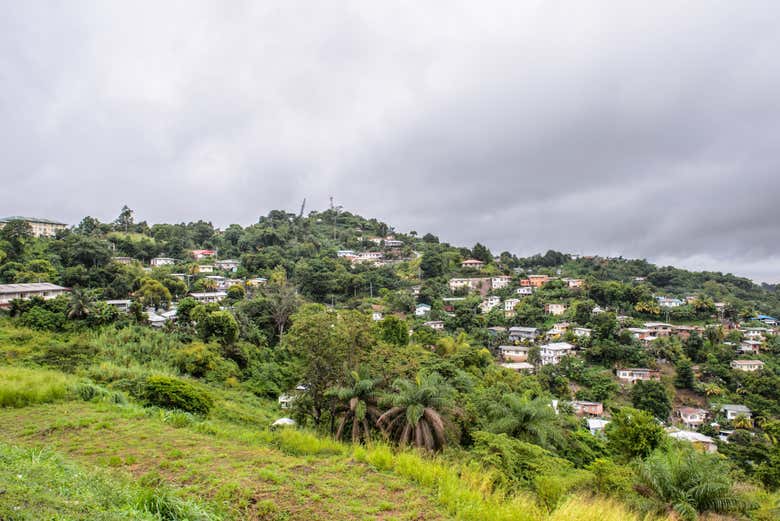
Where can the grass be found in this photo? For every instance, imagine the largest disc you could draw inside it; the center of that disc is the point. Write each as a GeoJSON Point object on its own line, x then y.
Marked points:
{"type": "Point", "coordinates": [39, 484]}
{"type": "Point", "coordinates": [20, 387]}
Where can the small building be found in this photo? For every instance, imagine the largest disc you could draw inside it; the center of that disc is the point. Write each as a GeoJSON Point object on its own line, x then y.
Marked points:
{"type": "Point", "coordinates": [582, 332]}
{"type": "Point", "coordinates": [422, 309]}
{"type": "Point", "coordinates": [699, 441]}
{"type": "Point", "coordinates": [436, 325]}
{"type": "Point", "coordinates": [659, 329]}
{"type": "Point", "coordinates": [228, 264]}
{"type": "Point", "coordinates": [203, 254]}
{"type": "Point", "coordinates": [509, 305]}
{"type": "Point", "coordinates": [525, 291]}
{"type": "Point", "coordinates": [256, 282]}
{"type": "Point", "coordinates": [126, 261]}
{"type": "Point", "coordinates": [44, 290]}
{"type": "Point", "coordinates": [377, 312]}
{"type": "Point", "coordinates": [514, 353]}
{"type": "Point", "coordinates": [668, 302]}
{"type": "Point", "coordinates": [632, 375]}
{"type": "Point", "coordinates": [40, 227]}
{"type": "Point", "coordinates": [747, 365]}
{"type": "Point", "coordinates": [750, 347]}
{"type": "Point", "coordinates": [520, 367]}
{"type": "Point", "coordinates": [691, 417]}
{"type": "Point", "coordinates": [120, 304]}
{"type": "Point", "coordinates": [574, 283]}
{"type": "Point", "coordinates": [346, 253]}
{"type": "Point", "coordinates": [208, 297]}
{"type": "Point", "coordinates": [640, 333]}
{"type": "Point", "coordinates": [518, 333]}
{"type": "Point", "coordinates": [162, 261]}
{"type": "Point", "coordinates": [206, 268]}
{"type": "Point", "coordinates": [552, 353]}
{"type": "Point", "coordinates": [732, 411]}
{"type": "Point", "coordinates": [500, 281]}
{"type": "Point", "coordinates": [393, 243]}
{"type": "Point", "coordinates": [555, 309]}
{"type": "Point", "coordinates": [489, 303]}
{"type": "Point", "coordinates": [596, 426]}
{"type": "Point", "coordinates": [472, 264]}
{"type": "Point", "coordinates": [766, 319]}
{"type": "Point", "coordinates": [584, 408]}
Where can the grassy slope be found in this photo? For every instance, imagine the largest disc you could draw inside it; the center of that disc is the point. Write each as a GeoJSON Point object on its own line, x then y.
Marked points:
{"type": "Point", "coordinates": [236, 475]}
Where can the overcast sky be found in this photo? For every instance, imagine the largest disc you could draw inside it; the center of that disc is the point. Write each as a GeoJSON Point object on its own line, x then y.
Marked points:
{"type": "Point", "coordinates": [647, 129]}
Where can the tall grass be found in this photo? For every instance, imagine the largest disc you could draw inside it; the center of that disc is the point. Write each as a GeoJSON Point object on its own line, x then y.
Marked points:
{"type": "Point", "coordinates": [20, 387]}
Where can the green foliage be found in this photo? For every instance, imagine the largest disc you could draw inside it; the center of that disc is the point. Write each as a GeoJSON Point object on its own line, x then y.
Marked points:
{"type": "Point", "coordinates": [42, 319]}
{"type": "Point", "coordinates": [532, 421]}
{"type": "Point", "coordinates": [176, 393]}
{"type": "Point", "coordinates": [21, 387]}
{"type": "Point", "coordinates": [651, 396]}
{"type": "Point", "coordinates": [633, 433]}
{"type": "Point", "coordinates": [220, 326]}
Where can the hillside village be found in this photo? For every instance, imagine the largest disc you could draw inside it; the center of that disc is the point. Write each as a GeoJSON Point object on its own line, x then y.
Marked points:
{"type": "Point", "coordinates": [586, 335]}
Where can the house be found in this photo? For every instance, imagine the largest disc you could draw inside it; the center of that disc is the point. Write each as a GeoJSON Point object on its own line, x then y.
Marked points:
{"type": "Point", "coordinates": [421, 310]}
{"type": "Point", "coordinates": [509, 305]}
{"type": "Point", "coordinates": [582, 332]}
{"type": "Point", "coordinates": [752, 347]}
{"type": "Point", "coordinates": [39, 227]}
{"type": "Point", "coordinates": [209, 296]}
{"type": "Point", "coordinates": [525, 291]}
{"type": "Point", "coordinates": [691, 417]}
{"type": "Point", "coordinates": [518, 333]}
{"type": "Point", "coordinates": [732, 411]}
{"type": "Point", "coordinates": [747, 365]}
{"type": "Point", "coordinates": [489, 303]}
{"type": "Point", "coordinates": [436, 325]}
{"type": "Point", "coordinates": [684, 332]}
{"type": "Point", "coordinates": [699, 441]}
{"type": "Point", "coordinates": [155, 319]}
{"type": "Point", "coordinates": [227, 264]}
{"type": "Point", "coordinates": [659, 328]}
{"type": "Point", "coordinates": [668, 302]}
{"type": "Point", "coordinates": [766, 319]}
{"type": "Point", "coordinates": [203, 254]}
{"type": "Point", "coordinates": [205, 268]}
{"type": "Point", "coordinates": [472, 264]}
{"type": "Point", "coordinates": [514, 353]}
{"type": "Point", "coordinates": [45, 290]}
{"type": "Point", "coordinates": [583, 408]}
{"type": "Point", "coordinates": [552, 353]}
{"type": "Point", "coordinates": [120, 304]}
{"type": "Point", "coordinates": [372, 257]}
{"type": "Point", "coordinates": [535, 281]}
{"type": "Point", "coordinates": [520, 367]}
{"type": "Point", "coordinates": [555, 309]}
{"type": "Point", "coordinates": [754, 333]}
{"type": "Point", "coordinates": [596, 425]}
{"type": "Point", "coordinates": [632, 375]}
{"type": "Point", "coordinates": [558, 329]}
{"type": "Point", "coordinates": [377, 312]}
{"type": "Point", "coordinates": [574, 283]}
{"type": "Point", "coordinates": [258, 281]}
{"type": "Point", "coordinates": [393, 243]}
{"type": "Point", "coordinates": [162, 261]}
{"type": "Point", "coordinates": [346, 253]}
{"type": "Point", "coordinates": [500, 281]}
{"type": "Point", "coordinates": [481, 284]}
{"type": "Point", "coordinates": [416, 290]}
{"type": "Point", "coordinates": [126, 261]}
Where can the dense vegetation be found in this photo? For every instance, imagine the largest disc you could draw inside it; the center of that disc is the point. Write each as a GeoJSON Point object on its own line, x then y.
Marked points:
{"type": "Point", "coordinates": [490, 444]}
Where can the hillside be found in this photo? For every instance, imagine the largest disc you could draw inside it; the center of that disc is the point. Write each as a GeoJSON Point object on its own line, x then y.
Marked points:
{"type": "Point", "coordinates": [424, 380]}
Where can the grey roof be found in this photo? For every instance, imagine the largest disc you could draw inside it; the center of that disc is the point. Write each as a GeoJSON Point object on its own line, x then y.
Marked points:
{"type": "Point", "coordinates": [34, 286]}
{"type": "Point", "coordinates": [734, 407]}
{"type": "Point", "coordinates": [30, 219]}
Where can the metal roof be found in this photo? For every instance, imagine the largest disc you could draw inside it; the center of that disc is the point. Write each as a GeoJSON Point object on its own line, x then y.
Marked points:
{"type": "Point", "coordinates": [34, 286]}
{"type": "Point", "coordinates": [30, 219]}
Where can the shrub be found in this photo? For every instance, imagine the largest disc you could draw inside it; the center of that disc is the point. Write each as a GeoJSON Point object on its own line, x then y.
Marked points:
{"type": "Point", "coordinates": [43, 319]}
{"type": "Point", "coordinates": [66, 357]}
{"type": "Point", "coordinates": [175, 393]}
{"type": "Point", "coordinates": [21, 387]}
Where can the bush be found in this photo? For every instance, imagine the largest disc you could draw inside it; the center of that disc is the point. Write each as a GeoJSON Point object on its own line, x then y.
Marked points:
{"type": "Point", "coordinates": [174, 393]}
{"type": "Point", "coordinates": [43, 319]}
{"type": "Point", "coordinates": [22, 387]}
{"type": "Point", "coordinates": [66, 357]}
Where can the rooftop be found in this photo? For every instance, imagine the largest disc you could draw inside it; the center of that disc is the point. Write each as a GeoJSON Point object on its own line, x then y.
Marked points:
{"type": "Point", "coordinates": [30, 219]}
{"type": "Point", "coordinates": [34, 286]}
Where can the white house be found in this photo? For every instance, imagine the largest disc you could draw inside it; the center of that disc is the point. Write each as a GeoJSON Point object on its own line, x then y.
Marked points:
{"type": "Point", "coordinates": [555, 309]}
{"type": "Point", "coordinates": [228, 264]}
{"type": "Point", "coordinates": [509, 305]}
{"type": "Point", "coordinates": [120, 304]}
{"type": "Point", "coordinates": [552, 353]}
{"type": "Point", "coordinates": [422, 309]}
{"type": "Point", "coordinates": [691, 417]}
{"type": "Point", "coordinates": [45, 290]}
{"type": "Point", "coordinates": [732, 411]}
{"type": "Point", "coordinates": [209, 296]}
{"type": "Point", "coordinates": [667, 302]}
{"type": "Point", "coordinates": [632, 375]}
{"type": "Point", "coordinates": [436, 325]}
{"type": "Point", "coordinates": [520, 367]}
{"type": "Point", "coordinates": [489, 303]}
{"type": "Point", "coordinates": [700, 441]}
{"type": "Point", "coordinates": [747, 365]}
{"type": "Point", "coordinates": [514, 353]}
{"type": "Point", "coordinates": [750, 347]}
{"type": "Point", "coordinates": [525, 291]}
{"type": "Point", "coordinates": [596, 425]}
{"type": "Point", "coordinates": [206, 268]}
{"type": "Point", "coordinates": [500, 281]}
{"type": "Point", "coordinates": [162, 261]}
{"type": "Point", "coordinates": [582, 332]}
{"type": "Point", "coordinates": [472, 263]}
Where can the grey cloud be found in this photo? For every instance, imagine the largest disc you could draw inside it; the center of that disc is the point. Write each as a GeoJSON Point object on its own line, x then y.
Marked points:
{"type": "Point", "coordinates": [582, 126]}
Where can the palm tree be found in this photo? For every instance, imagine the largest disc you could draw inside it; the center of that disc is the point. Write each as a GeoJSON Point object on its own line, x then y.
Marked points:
{"type": "Point", "coordinates": [533, 421]}
{"type": "Point", "coordinates": [357, 407]}
{"type": "Point", "coordinates": [688, 482]}
{"type": "Point", "coordinates": [742, 422]}
{"type": "Point", "coordinates": [415, 417]}
{"type": "Point", "coordinates": [80, 304]}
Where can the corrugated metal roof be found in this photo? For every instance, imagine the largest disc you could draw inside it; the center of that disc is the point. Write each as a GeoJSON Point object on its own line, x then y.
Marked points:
{"type": "Point", "coordinates": [34, 286]}
{"type": "Point", "coordinates": [30, 219]}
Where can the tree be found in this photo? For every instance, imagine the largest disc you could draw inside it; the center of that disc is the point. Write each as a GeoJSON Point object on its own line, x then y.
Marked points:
{"type": "Point", "coordinates": [236, 292]}
{"type": "Point", "coordinates": [415, 417]}
{"type": "Point", "coordinates": [685, 376]}
{"type": "Point", "coordinates": [80, 304]}
{"type": "Point", "coordinates": [393, 330]}
{"type": "Point", "coordinates": [688, 483]}
{"type": "Point", "coordinates": [16, 233]}
{"type": "Point", "coordinates": [218, 325]}
{"type": "Point", "coordinates": [533, 421]}
{"type": "Point", "coordinates": [152, 293]}
{"type": "Point", "coordinates": [633, 433]}
{"type": "Point", "coordinates": [125, 219]}
{"type": "Point", "coordinates": [432, 265]}
{"type": "Point", "coordinates": [357, 407]}
{"type": "Point", "coordinates": [481, 252]}
{"type": "Point", "coordinates": [652, 397]}
{"type": "Point", "coordinates": [283, 300]}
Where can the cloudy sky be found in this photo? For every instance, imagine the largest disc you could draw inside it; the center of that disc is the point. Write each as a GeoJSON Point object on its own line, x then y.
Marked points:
{"type": "Point", "coordinates": [647, 129]}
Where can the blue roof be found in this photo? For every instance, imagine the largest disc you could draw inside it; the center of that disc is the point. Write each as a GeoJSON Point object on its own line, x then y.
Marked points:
{"type": "Point", "coordinates": [765, 317]}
